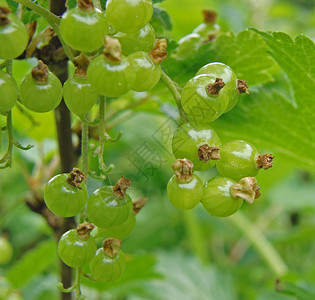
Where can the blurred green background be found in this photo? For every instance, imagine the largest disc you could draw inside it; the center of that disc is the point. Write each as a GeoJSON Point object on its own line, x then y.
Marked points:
{"type": "Point", "coordinates": [172, 254]}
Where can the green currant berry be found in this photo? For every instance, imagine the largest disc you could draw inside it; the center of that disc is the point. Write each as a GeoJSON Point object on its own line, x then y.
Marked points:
{"type": "Point", "coordinates": [187, 46]}
{"type": "Point", "coordinates": [120, 231]}
{"type": "Point", "coordinates": [8, 92]}
{"type": "Point", "coordinates": [147, 73]}
{"type": "Point", "coordinates": [220, 70]}
{"type": "Point", "coordinates": [184, 189]}
{"type": "Point", "coordinates": [217, 199]}
{"type": "Point", "coordinates": [79, 95]}
{"type": "Point", "coordinates": [141, 40]}
{"type": "Point", "coordinates": [129, 15]}
{"type": "Point", "coordinates": [13, 35]}
{"type": "Point", "coordinates": [83, 29]}
{"type": "Point", "coordinates": [203, 100]}
{"type": "Point", "coordinates": [109, 262]}
{"type": "Point", "coordinates": [41, 90]}
{"type": "Point", "coordinates": [108, 206]}
{"type": "Point", "coordinates": [200, 144]}
{"type": "Point", "coordinates": [111, 74]}
{"type": "Point", "coordinates": [207, 31]}
{"type": "Point", "coordinates": [76, 247]}
{"type": "Point", "coordinates": [6, 251]}
{"type": "Point", "coordinates": [241, 159]}
{"type": "Point", "coordinates": [63, 194]}
{"type": "Point", "coordinates": [224, 196]}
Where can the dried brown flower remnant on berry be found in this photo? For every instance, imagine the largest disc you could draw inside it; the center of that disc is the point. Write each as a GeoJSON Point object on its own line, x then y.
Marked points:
{"type": "Point", "coordinates": [159, 52]}
{"type": "Point", "coordinates": [209, 16]}
{"type": "Point", "coordinates": [246, 189]}
{"type": "Point", "coordinates": [242, 87]}
{"type": "Point", "coordinates": [4, 12]}
{"type": "Point", "coordinates": [264, 161]}
{"type": "Point", "coordinates": [112, 50]}
{"type": "Point", "coordinates": [121, 187]}
{"type": "Point", "coordinates": [111, 247]}
{"type": "Point", "coordinates": [85, 5]}
{"type": "Point", "coordinates": [206, 153]}
{"type": "Point", "coordinates": [40, 73]}
{"type": "Point", "coordinates": [81, 63]}
{"type": "Point", "coordinates": [84, 230]}
{"type": "Point", "coordinates": [183, 169]}
{"type": "Point", "coordinates": [139, 204]}
{"type": "Point", "coordinates": [216, 87]}
{"type": "Point", "coordinates": [76, 177]}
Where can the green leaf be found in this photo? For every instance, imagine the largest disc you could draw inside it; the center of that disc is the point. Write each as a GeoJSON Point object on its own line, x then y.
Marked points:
{"type": "Point", "coordinates": [32, 263]}
{"type": "Point", "coordinates": [161, 21]}
{"type": "Point", "coordinates": [269, 119]}
{"type": "Point", "coordinates": [291, 289]}
{"type": "Point", "coordinates": [158, 1]}
{"type": "Point", "coordinates": [246, 53]}
{"type": "Point", "coordinates": [186, 278]}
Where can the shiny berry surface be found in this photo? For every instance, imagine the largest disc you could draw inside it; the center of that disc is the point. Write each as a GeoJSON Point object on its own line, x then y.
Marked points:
{"type": "Point", "coordinates": [105, 209]}
{"type": "Point", "coordinates": [8, 92]}
{"type": "Point", "coordinates": [141, 40]}
{"type": "Point", "coordinates": [147, 73]}
{"type": "Point", "coordinates": [188, 45]}
{"type": "Point", "coordinates": [75, 251]}
{"type": "Point", "coordinates": [79, 96]}
{"type": "Point", "coordinates": [120, 231]}
{"type": "Point", "coordinates": [64, 199]}
{"type": "Point", "coordinates": [189, 138]}
{"type": "Point", "coordinates": [238, 160]}
{"type": "Point", "coordinates": [110, 79]}
{"type": "Point", "coordinates": [217, 199]}
{"type": "Point", "coordinates": [200, 106]}
{"type": "Point", "coordinates": [185, 195]}
{"type": "Point", "coordinates": [83, 30]}
{"type": "Point", "coordinates": [207, 30]}
{"type": "Point", "coordinates": [106, 269]}
{"type": "Point", "coordinates": [129, 15]}
{"type": "Point", "coordinates": [41, 97]}
{"type": "Point", "coordinates": [13, 38]}
{"type": "Point", "coordinates": [220, 70]}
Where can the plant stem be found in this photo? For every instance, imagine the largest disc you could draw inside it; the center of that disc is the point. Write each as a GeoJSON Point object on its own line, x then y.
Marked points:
{"type": "Point", "coordinates": [196, 240]}
{"type": "Point", "coordinates": [176, 95]}
{"type": "Point", "coordinates": [103, 137]}
{"type": "Point", "coordinates": [84, 148]}
{"type": "Point", "coordinates": [259, 241]}
{"type": "Point", "coordinates": [78, 283]}
{"type": "Point", "coordinates": [52, 19]}
{"type": "Point", "coordinates": [46, 14]}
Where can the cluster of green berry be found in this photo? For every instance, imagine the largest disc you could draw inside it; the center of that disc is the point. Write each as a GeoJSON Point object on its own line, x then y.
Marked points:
{"type": "Point", "coordinates": [111, 211]}
{"type": "Point", "coordinates": [120, 54]}
{"type": "Point", "coordinates": [203, 33]}
{"type": "Point", "coordinates": [213, 91]}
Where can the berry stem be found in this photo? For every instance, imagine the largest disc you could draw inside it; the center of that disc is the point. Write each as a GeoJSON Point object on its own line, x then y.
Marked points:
{"type": "Point", "coordinates": [84, 147]}
{"type": "Point", "coordinates": [77, 284]}
{"type": "Point", "coordinates": [6, 160]}
{"type": "Point", "coordinates": [103, 136]}
{"type": "Point", "coordinates": [176, 95]}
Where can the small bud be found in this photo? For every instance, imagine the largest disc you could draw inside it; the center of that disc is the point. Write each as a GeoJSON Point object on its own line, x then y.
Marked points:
{"type": "Point", "coordinates": [40, 73]}
{"type": "Point", "coordinates": [138, 205]}
{"type": "Point", "coordinates": [159, 52]}
{"type": "Point", "coordinates": [4, 12]}
{"type": "Point", "coordinates": [242, 87]}
{"type": "Point", "coordinates": [264, 161]}
{"type": "Point", "coordinates": [81, 63]}
{"type": "Point", "coordinates": [85, 5]}
{"type": "Point", "coordinates": [112, 50]}
{"type": "Point", "coordinates": [209, 16]}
